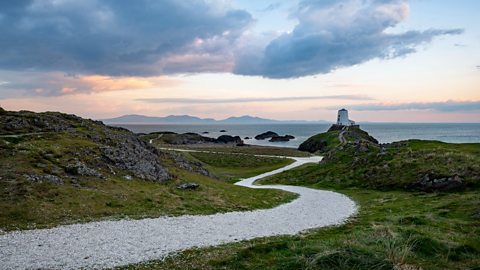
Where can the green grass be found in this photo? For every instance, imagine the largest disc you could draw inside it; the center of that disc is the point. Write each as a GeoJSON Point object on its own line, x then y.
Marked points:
{"type": "Point", "coordinates": [27, 205]}
{"type": "Point", "coordinates": [395, 168]}
{"type": "Point", "coordinates": [247, 149]}
{"type": "Point", "coordinates": [393, 229]}
{"type": "Point", "coordinates": [232, 167]}
{"type": "Point", "coordinates": [46, 205]}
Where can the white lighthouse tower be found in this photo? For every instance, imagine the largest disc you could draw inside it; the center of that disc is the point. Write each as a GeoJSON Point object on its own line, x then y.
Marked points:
{"type": "Point", "coordinates": [342, 118]}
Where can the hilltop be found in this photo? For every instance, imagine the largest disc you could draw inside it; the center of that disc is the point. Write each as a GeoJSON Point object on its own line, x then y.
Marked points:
{"type": "Point", "coordinates": [58, 168]}
{"type": "Point", "coordinates": [354, 158]}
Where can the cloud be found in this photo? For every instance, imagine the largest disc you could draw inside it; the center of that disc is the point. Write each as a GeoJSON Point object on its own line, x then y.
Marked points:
{"type": "Point", "coordinates": [447, 106]}
{"type": "Point", "coordinates": [151, 38]}
{"type": "Point", "coordinates": [57, 84]}
{"type": "Point", "coordinates": [249, 100]}
{"type": "Point", "coordinates": [272, 7]}
{"type": "Point", "coordinates": [119, 38]}
{"type": "Point", "coordinates": [332, 34]}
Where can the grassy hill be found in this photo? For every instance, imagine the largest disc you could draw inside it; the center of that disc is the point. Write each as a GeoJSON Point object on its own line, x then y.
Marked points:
{"type": "Point", "coordinates": [60, 169]}
{"type": "Point", "coordinates": [415, 164]}
{"type": "Point", "coordinates": [399, 224]}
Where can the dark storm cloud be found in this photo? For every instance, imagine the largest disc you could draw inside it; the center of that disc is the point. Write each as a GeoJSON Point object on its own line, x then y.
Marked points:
{"type": "Point", "coordinates": [447, 106]}
{"type": "Point", "coordinates": [333, 34]}
{"type": "Point", "coordinates": [110, 37]}
{"type": "Point", "coordinates": [150, 38]}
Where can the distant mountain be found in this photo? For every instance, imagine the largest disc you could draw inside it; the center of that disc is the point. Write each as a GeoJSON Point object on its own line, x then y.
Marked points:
{"type": "Point", "coordinates": [247, 119]}
{"type": "Point", "coordinates": [171, 119]}
{"type": "Point", "coordinates": [187, 119]}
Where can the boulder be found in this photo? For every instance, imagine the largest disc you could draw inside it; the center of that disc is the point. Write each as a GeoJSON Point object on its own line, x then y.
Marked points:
{"type": "Point", "coordinates": [191, 186]}
{"type": "Point", "coordinates": [79, 168]}
{"type": "Point", "coordinates": [35, 178]}
{"type": "Point", "coordinates": [229, 139]}
{"type": "Point", "coordinates": [223, 130]}
{"type": "Point", "coordinates": [430, 183]}
{"type": "Point", "coordinates": [265, 135]}
{"type": "Point", "coordinates": [285, 138]}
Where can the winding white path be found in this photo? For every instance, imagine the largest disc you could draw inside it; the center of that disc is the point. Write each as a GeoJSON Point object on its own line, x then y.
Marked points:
{"type": "Point", "coordinates": [113, 243]}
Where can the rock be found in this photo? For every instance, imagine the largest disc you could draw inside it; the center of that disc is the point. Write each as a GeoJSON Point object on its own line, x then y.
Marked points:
{"type": "Point", "coordinates": [188, 186]}
{"type": "Point", "coordinates": [41, 165]}
{"type": "Point", "coordinates": [265, 135]}
{"type": "Point", "coordinates": [223, 130]}
{"type": "Point", "coordinates": [128, 177]}
{"type": "Point", "coordinates": [188, 138]}
{"type": "Point", "coordinates": [205, 132]}
{"type": "Point", "coordinates": [35, 178]}
{"type": "Point", "coordinates": [192, 166]}
{"type": "Point", "coordinates": [140, 161]}
{"type": "Point", "coordinates": [430, 183]}
{"type": "Point", "coordinates": [285, 138]}
{"type": "Point", "coordinates": [229, 139]}
{"type": "Point", "coordinates": [246, 138]}
{"type": "Point", "coordinates": [312, 145]}
{"type": "Point", "coordinates": [79, 168]}
{"type": "Point", "coordinates": [108, 147]}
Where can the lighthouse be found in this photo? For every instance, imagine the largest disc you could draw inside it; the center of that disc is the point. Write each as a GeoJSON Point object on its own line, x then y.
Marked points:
{"type": "Point", "coordinates": [342, 118]}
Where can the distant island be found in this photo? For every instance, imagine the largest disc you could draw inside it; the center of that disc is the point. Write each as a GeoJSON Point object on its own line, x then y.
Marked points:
{"type": "Point", "coordinates": [187, 119]}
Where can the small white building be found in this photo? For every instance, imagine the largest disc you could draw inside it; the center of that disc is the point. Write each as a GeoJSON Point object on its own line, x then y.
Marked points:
{"type": "Point", "coordinates": [342, 118]}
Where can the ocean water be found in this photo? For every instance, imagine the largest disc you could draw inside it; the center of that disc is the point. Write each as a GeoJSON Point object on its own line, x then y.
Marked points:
{"type": "Point", "coordinates": [383, 132]}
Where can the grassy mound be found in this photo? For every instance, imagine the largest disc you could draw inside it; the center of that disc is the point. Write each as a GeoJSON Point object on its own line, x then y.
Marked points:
{"type": "Point", "coordinates": [231, 167]}
{"type": "Point", "coordinates": [61, 169]}
{"type": "Point", "coordinates": [396, 166]}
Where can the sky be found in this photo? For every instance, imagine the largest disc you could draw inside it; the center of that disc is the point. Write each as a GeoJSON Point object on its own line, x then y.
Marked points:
{"type": "Point", "coordinates": [383, 60]}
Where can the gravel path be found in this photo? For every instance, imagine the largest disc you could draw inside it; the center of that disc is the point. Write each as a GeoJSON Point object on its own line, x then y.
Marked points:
{"type": "Point", "coordinates": [114, 243]}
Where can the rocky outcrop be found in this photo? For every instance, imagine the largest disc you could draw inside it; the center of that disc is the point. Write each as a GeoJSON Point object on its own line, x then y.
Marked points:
{"type": "Point", "coordinates": [313, 145]}
{"type": "Point", "coordinates": [266, 135]}
{"type": "Point", "coordinates": [80, 168]}
{"type": "Point", "coordinates": [192, 166]}
{"type": "Point", "coordinates": [285, 138]}
{"type": "Point", "coordinates": [430, 183]}
{"type": "Point", "coordinates": [229, 139]}
{"type": "Point", "coordinates": [98, 147]}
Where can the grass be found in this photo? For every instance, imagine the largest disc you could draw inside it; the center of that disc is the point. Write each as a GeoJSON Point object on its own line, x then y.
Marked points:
{"type": "Point", "coordinates": [27, 205]}
{"type": "Point", "coordinates": [232, 167]}
{"type": "Point", "coordinates": [394, 230]}
{"type": "Point", "coordinates": [394, 168]}
{"type": "Point", "coordinates": [46, 205]}
{"type": "Point", "coordinates": [246, 149]}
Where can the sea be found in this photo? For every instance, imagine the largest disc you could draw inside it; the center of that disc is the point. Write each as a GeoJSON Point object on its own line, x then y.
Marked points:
{"type": "Point", "coordinates": [383, 132]}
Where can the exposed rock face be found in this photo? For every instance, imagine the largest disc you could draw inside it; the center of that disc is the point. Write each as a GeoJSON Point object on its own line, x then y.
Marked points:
{"type": "Point", "coordinates": [430, 183]}
{"type": "Point", "coordinates": [140, 161]}
{"type": "Point", "coordinates": [285, 138]}
{"type": "Point", "coordinates": [192, 166]}
{"type": "Point", "coordinates": [102, 148]}
{"type": "Point", "coordinates": [265, 135]}
{"type": "Point", "coordinates": [313, 146]}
